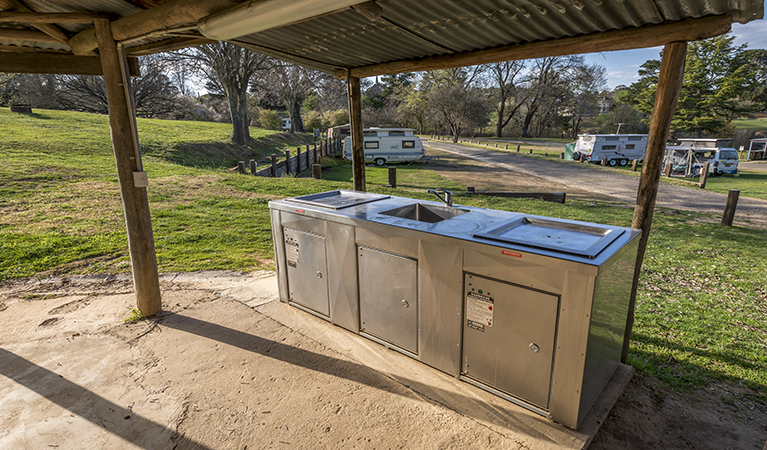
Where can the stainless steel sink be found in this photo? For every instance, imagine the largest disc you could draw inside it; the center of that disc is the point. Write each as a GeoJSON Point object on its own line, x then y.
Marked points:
{"type": "Point", "coordinates": [425, 213]}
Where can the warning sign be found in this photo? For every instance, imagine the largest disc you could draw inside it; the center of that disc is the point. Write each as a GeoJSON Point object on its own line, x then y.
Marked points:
{"type": "Point", "coordinates": [479, 311]}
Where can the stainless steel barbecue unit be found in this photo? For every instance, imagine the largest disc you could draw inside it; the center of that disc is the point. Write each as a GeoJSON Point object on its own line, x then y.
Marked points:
{"type": "Point", "coordinates": [530, 308]}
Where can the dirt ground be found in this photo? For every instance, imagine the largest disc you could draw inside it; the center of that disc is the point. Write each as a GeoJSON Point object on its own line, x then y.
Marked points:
{"type": "Point", "coordinates": [213, 372]}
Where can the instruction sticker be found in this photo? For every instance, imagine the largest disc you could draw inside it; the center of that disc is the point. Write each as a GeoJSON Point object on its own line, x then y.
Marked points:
{"type": "Point", "coordinates": [291, 248]}
{"type": "Point", "coordinates": [479, 311]}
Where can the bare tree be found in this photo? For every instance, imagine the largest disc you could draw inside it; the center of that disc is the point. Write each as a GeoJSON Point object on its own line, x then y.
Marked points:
{"type": "Point", "coordinates": [503, 75]}
{"type": "Point", "coordinates": [546, 84]}
{"type": "Point", "coordinates": [455, 100]}
{"type": "Point", "coordinates": [291, 84]}
{"type": "Point", "coordinates": [230, 70]}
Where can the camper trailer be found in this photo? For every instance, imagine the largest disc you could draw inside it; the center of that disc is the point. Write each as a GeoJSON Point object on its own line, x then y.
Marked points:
{"type": "Point", "coordinates": [618, 149]}
{"type": "Point", "coordinates": [387, 145]}
{"type": "Point", "coordinates": [721, 157]}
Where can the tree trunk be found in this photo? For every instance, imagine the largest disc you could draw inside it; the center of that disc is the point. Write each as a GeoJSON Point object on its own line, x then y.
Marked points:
{"type": "Point", "coordinates": [296, 123]}
{"type": "Point", "coordinates": [499, 124]}
{"type": "Point", "coordinates": [238, 110]}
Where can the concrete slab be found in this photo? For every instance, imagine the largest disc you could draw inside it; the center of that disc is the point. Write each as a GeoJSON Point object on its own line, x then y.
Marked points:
{"type": "Point", "coordinates": [525, 427]}
{"type": "Point", "coordinates": [210, 373]}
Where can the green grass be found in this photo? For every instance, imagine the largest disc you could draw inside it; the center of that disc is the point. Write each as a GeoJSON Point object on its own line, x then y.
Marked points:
{"type": "Point", "coordinates": [701, 303]}
{"type": "Point", "coordinates": [751, 124]}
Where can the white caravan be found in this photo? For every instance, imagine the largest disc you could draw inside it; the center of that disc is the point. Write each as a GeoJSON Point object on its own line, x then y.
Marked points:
{"type": "Point", "coordinates": [618, 149]}
{"type": "Point", "coordinates": [384, 145]}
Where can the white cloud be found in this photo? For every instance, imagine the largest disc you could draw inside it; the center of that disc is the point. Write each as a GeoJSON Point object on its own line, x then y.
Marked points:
{"type": "Point", "coordinates": [754, 33]}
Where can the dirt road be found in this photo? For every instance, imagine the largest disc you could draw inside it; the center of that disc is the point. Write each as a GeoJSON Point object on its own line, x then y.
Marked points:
{"type": "Point", "coordinates": [610, 182]}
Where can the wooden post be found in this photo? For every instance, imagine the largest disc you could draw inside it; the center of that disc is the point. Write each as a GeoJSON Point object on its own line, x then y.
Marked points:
{"type": "Point", "coordinates": [253, 167]}
{"type": "Point", "coordinates": [730, 206]}
{"type": "Point", "coordinates": [122, 121]}
{"type": "Point", "coordinates": [307, 154]}
{"type": "Point", "coordinates": [274, 165]}
{"type": "Point", "coordinates": [562, 155]}
{"type": "Point", "coordinates": [703, 176]}
{"type": "Point", "coordinates": [604, 162]}
{"type": "Point", "coordinates": [287, 162]}
{"type": "Point", "coordinates": [666, 171]}
{"type": "Point", "coordinates": [393, 177]}
{"type": "Point", "coordinates": [316, 171]}
{"type": "Point", "coordinates": [298, 159]}
{"type": "Point", "coordinates": [634, 165]}
{"type": "Point", "coordinates": [355, 120]}
{"type": "Point", "coordinates": [241, 167]}
{"type": "Point", "coordinates": [518, 146]}
{"type": "Point", "coordinates": [667, 94]}
{"type": "Point", "coordinates": [507, 146]}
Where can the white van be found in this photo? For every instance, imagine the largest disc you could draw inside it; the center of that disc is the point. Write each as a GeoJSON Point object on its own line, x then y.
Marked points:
{"type": "Point", "coordinates": [618, 149]}
{"type": "Point", "coordinates": [384, 145]}
{"type": "Point", "coordinates": [721, 158]}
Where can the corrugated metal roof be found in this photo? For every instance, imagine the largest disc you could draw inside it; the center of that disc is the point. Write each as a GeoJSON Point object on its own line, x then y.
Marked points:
{"type": "Point", "coordinates": [411, 30]}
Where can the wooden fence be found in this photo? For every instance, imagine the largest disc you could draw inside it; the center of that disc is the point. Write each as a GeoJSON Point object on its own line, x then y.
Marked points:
{"type": "Point", "coordinates": [296, 161]}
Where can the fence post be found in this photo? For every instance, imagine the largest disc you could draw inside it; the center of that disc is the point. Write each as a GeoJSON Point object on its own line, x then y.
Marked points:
{"type": "Point", "coordinates": [634, 165]}
{"type": "Point", "coordinates": [562, 155]}
{"type": "Point", "coordinates": [253, 166]}
{"type": "Point", "coordinates": [604, 162]}
{"type": "Point", "coordinates": [287, 162]}
{"type": "Point", "coordinates": [729, 208]}
{"type": "Point", "coordinates": [507, 146]}
{"type": "Point", "coordinates": [393, 177]}
{"type": "Point", "coordinates": [274, 165]}
{"type": "Point", "coordinates": [298, 160]}
{"type": "Point", "coordinates": [316, 171]}
{"type": "Point", "coordinates": [307, 154]}
{"type": "Point", "coordinates": [703, 176]}
{"type": "Point", "coordinates": [241, 167]}
{"type": "Point", "coordinates": [667, 172]}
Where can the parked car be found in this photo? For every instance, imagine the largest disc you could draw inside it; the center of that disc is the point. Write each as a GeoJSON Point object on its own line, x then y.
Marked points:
{"type": "Point", "coordinates": [721, 158]}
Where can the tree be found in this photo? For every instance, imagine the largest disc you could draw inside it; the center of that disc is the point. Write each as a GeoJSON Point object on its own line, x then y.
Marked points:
{"type": "Point", "coordinates": [719, 79]}
{"type": "Point", "coordinates": [503, 75]}
{"type": "Point", "coordinates": [229, 70]}
{"type": "Point", "coordinates": [549, 91]}
{"type": "Point", "coordinates": [455, 101]}
{"type": "Point", "coordinates": [290, 84]}
{"type": "Point", "coordinates": [586, 83]}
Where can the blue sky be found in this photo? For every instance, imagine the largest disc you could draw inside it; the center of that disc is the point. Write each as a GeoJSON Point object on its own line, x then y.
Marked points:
{"type": "Point", "coordinates": [622, 66]}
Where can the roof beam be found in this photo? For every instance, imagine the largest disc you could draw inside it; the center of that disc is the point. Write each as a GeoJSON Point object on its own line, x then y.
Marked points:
{"type": "Point", "coordinates": [627, 39]}
{"type": "Point", "coordinates": [56, 64]}
{"type": "Point", "coordinates": [49, 29]}
{"type": "Point", "coordinates": [168, 15]}
{"type": "Point", "coordinates": [34, 17]}
{"type": "Point", "coordinates": [26, 35]}
{"type": "Point", "coordinates": [168, 45]}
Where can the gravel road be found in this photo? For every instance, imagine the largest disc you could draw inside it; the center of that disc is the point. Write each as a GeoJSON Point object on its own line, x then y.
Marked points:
{"type": "Point", "coordinates": [613, 183]}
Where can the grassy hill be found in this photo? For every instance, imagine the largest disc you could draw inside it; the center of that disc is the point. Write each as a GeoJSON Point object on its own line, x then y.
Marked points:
{"type": "Point", "coordinates": [701, 304]}
{"type": "Point", "coordinates": [751, 124]}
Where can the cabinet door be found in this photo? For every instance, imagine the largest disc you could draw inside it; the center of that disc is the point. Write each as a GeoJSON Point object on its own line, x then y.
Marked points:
{"type": "Point", "coordinates": [306, 259]}
{"type": "Point", "coordinates": [389, 297]}
{"type": "Point", "coordinates": [508, 337]}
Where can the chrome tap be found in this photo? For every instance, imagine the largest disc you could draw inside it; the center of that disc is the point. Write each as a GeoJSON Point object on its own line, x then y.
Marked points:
{"type": "Point", "coordinates": [447, 200]}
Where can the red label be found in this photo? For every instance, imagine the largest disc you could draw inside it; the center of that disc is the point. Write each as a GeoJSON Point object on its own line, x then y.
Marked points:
{"type": "Point", "coordinates": [510, 253]}
{"type": "Point", "coordinates": [300, 211]}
